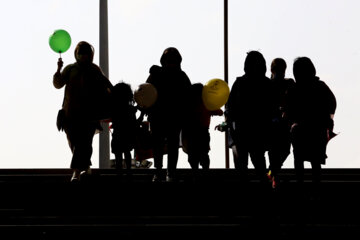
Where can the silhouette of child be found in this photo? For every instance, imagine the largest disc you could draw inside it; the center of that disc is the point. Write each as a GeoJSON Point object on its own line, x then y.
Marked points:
{"type": "Point", "coordinates": [280, 143]}
{"type": "Point", "coordinates": [196, 134]}
{"type": "Point", "coordinates": [123, 124]}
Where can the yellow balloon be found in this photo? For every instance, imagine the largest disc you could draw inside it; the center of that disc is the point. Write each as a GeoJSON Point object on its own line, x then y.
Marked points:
{"type": "Point", "coordinates": [215, 94]}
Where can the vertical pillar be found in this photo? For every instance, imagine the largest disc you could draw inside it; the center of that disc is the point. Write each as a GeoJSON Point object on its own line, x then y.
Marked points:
{"type": "Point", "coordinates": [227, 163]}
{"type": "Point", "coordinates": [104, 141]}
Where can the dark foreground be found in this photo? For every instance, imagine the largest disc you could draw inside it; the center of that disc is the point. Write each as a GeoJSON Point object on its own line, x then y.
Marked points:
{"type": "Point", "coordinates": [43, 204]}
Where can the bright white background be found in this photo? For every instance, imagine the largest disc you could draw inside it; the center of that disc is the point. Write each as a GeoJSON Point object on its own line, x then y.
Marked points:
{"type": "Point", "coordinates": [139, 30]}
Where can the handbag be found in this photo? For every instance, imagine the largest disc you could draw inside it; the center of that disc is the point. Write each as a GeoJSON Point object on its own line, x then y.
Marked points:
{"type": "Point", "coordinates": [60, 120]}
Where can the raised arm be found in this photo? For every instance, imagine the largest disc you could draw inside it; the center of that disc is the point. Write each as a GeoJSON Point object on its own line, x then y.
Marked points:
{"type": "Point", "coordinates": [58, 79]}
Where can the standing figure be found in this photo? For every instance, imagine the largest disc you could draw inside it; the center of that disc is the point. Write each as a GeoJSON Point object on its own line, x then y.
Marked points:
{"type": "Point", "coordinates": [310, 108]}
{"type": "Point", "coordinates": [124, 124]}
{"type": "Point", "coordinates": [196, 133]}
{"type": "Point", "coordinates": [87, 92]}
{"type": "Point", "coordinates": [168, 113]}
{"type": "Point", "coordinates": [280, 144]}
{"type": "Point", "coordinates": [249, 109]}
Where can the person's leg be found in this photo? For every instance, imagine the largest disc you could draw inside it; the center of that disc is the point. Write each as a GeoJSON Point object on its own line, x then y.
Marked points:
{"type": "Point", "coordinates": [80, 138]}
{"type": "Point", "coordinates": [273, 161]}
{"type": "Point", "coordinates": [205, 161]}
{"type": "Point", "coordinates": [257, 157]}
{"type": "Point", "coordinates": [279, 146]}
{"type": "Point", "coordinates": [274, 167]}
{"type": "Point", "coordinates": [119, 160]}
{"type": "Point", "coordinates": [316, 172]}
{"type": "Point", "coordinates": [205, 148]}
{"type": "Point", "coordinates": [192, 147]}
{"type": "Point", "coordinates": [299, 140]}
{"type": "Point", "coordinates": [240, 140]}
{"type": "Point", "coordinates": [299, 169]}
{"type": "Point", "coordinates": [193, 160]}
{"type": "Point", "coordinates": [283, 151]}
{"type": "Point", "coordinates": [173, 150]}
{"type": "Point", "coordinates": [127, 155]}
{"type": "Point", "coordinates": [242, 160]}
{"type": "Point", "coordinates": [158, 150]}
{"type": "Point", "coordinates": [318, 153]}
{"type": "Point", "coordinates": [72, 139]}
{"type": "Point", "coordinates": [235, 156]}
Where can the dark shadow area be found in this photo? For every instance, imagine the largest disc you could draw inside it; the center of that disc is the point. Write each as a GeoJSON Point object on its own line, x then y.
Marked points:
{"type": "Point", "coordinates": [44, 204]}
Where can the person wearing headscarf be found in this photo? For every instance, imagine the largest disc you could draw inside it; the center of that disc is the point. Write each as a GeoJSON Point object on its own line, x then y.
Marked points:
{"type": "Point", "coordinates": [249, 114]}
{"type": "Point", "coordinates": [85, 104]}
{"type": "Point", "coordinates": [310, 108]}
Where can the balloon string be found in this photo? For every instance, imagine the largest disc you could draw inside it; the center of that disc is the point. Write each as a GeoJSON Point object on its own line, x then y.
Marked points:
{"type": "Point", "coordinates": [60, 54]}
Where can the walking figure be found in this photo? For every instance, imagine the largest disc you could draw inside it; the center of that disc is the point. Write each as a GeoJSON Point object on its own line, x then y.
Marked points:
{"type": "Point", "coordinates": [196, 134]}
{"type": "Point", "coordinates": [86, 101]}
{"type": "Point", "coordinates": [280, 144]}
{"type": "Point", "coordinates": [124, 125]}
{"type": "Point", "coordinates": [310, 109]}
{"type": "Point", "coordinates": [167, 115]}
{"type": "Point", "coordinates": [250, 110]}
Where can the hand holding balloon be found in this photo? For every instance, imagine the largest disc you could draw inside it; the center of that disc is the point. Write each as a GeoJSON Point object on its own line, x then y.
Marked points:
{"type": "Point", "coordinates": [60, 65]}
{"type": "Point", "coordinates": [60, 42]}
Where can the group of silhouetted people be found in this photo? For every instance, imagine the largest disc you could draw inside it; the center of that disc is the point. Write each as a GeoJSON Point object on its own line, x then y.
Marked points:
{"type": "Point", "coordinates": [262, 115]}
{"type": "Point", "coordinates": [271, 115]}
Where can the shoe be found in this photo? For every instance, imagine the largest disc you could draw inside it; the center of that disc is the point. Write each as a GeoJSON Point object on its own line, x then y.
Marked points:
{"type": "Point", "coordinates": [74, 179]}
{"type": "Point", "coordinates": [85, 174]}
{"type": "Point", "coordinates": [76, 176]}
{"type": "Point", "coordinates": [271, 179]}
{"type": "Point", "coordinates": [273, 183]}
{"type": "Point", "coordinates": [170, 178]}
{"type": "Point", "coordinates": [156, 178]}
{"type": "Point", "coordinates": [269, 176]}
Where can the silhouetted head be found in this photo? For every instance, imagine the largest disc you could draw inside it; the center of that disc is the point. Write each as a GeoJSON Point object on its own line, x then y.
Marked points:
{"type": "Point", "coordinates": [84, 53]}
{"type": "Point", "coordinates": [196, 92]}
{"type": "Point", "coordinates": [278, 68]}
{"type": "Point", "coordinates": [123, 93]}
{"type": "Point", "coordinates": [304, 70]}
{"type": "Point", "coordinates": [255, 64]}
{"type": "Point", "coordinates": [171, 58]}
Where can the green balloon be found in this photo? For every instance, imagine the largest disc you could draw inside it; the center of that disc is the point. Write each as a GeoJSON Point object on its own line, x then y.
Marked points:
{"type": "Point", "coordinates": [60, 41]}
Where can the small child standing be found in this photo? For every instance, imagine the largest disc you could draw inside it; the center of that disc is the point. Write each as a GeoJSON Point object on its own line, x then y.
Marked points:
{"type": "Point", "coordinates": [196, 136]}
{"type": "Point", "coordinates": [123, 124]}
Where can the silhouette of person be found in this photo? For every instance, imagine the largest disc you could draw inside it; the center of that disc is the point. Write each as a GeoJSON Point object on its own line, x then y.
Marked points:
{"type": "Point", "coordinates": [196, 132]}
{"type": "Point", "coordinates": [280, 144]}
{"type": "Point", "coordinates": [310, 107]}
{"type": "Point", "coordinates": [124, 124]}
{"type": "Point", "coordinates": [249, 109]}
{"type": "Point", "coordinates": [86, 91]}
{"type": "Point", "coordinates": [168, 113]}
